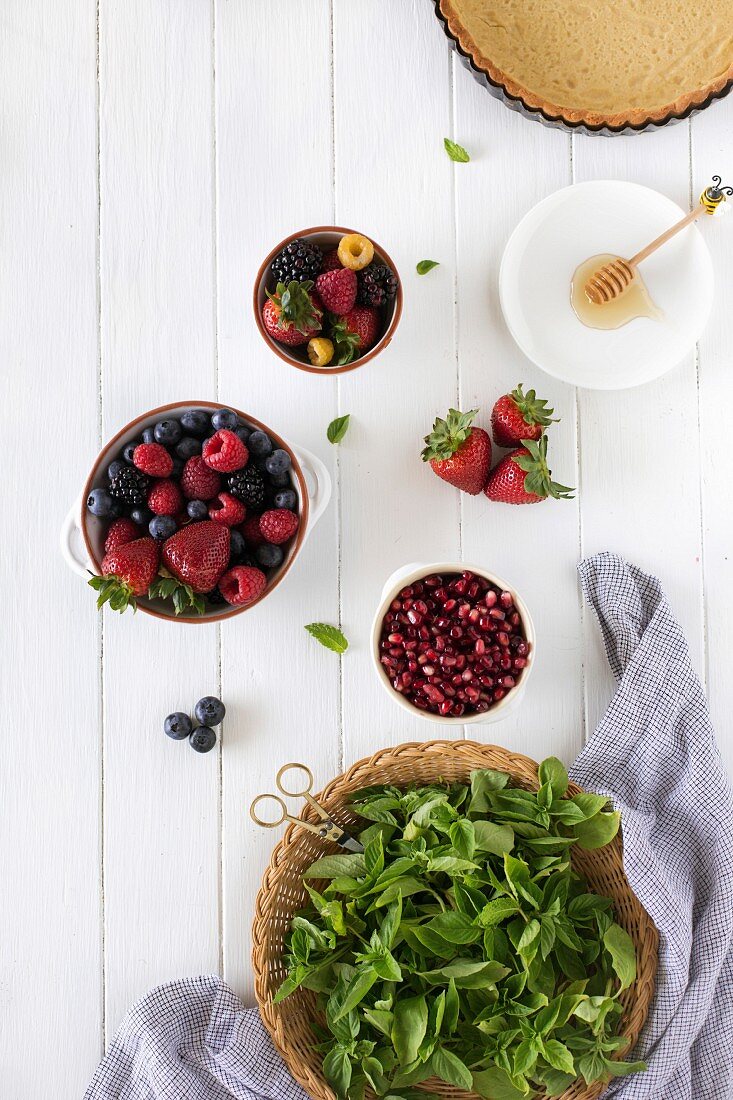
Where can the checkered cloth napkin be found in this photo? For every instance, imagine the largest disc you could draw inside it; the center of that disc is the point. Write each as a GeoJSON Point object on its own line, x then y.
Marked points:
{"type": "Point", "coordinates": [654, 754]}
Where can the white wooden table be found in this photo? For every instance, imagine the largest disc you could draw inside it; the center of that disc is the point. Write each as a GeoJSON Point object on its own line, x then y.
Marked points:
{"type": "Point", "coordinates": [152, 152]}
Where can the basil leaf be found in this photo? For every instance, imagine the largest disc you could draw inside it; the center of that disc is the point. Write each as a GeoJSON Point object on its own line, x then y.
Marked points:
{"type": "Point", "coordinates": [495, 1084]}
{"type": "Point", "coordinates": [424, 266]}
{"type": "Point", "coordinates": [456, 152]}
{"type": "Point", "coordinates": [409, 1027]}
{"type": "Point", "coordinates": [598, 831]}
{"type": "Point", "coordinates": [331, 866]}
{"type": "Point", "coordinates": [467, 974]}
{"type": "Point", "coordinates": [463, 838]}
{"type": "Point", "coordinates": [620, 947]}
{"type": "Point", "coordinates": [558, 1055]}
{"type": "Point", "coordinates": [337, 1070]}
{"type": "Point", "coordinates": [449, 1067]}
{"type": "Point", "coordinates": [329, 636]}
{"type": "Point", "coordinates": [553, 771]}
{"type": "Point", "coordinates": [357, 990]}
{"type": "Point", "coordinates": [493, 838]}
{"type": "Point", "coordinates": [337, 428]}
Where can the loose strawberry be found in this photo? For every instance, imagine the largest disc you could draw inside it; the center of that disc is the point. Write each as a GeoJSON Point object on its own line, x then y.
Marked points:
{"type": "Point", "coordinates": [225, 452]}
{"type": "Point", "coordinates": [242, 584]}
{"type": "Point", "coordinates": [127, 572]}
{"type": "Point", "coordinates": [459, 453]}
{"type": "Point", "coordinates": [198, 555]}
{"type": "Point", "coordinates": [354, 332]}
{"type": "Point", "coordinates": [120, 532]}
{"type": "Point", "coordinates": [523, 477]}
{"type": "Point", "coordinates": [250, 529]}
{"type": "Point", "coordinates": [198, 481]}
{"type": "Point", "coordinates": [292, 314]}
{"type": "Point", "coordinates": [517, 416]}
{"type": "Point", "coordinates": [165, 498]}
{"type": "Point", "coordinates": [227, 509]}
{"type": "Point", "coordinates": [278, 525]}
{"type": "Point", "coordinates": [337, 289]}
{"type": "Point", "coordinates": [153, 459]}
{"type": "Point", "coordinates": [331, 260]}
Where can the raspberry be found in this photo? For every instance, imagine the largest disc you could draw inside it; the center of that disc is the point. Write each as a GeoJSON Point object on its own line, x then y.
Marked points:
{"type": "Point", "coordinates": [198, 481]}
{"type": "Point", "coordinates": [120, 532]}
{"type": "Point", "coordinates": [153, 459]}
{"type": "Point", "coordinates": [337, 289]}
{"type": "Point", "coordinates": [278, 525]}
{"type": "Point", "coordinates": [320, 351]}
{"type": "Point", "coordinates": [225, 452]}
{"type": "Point", "coordinates": [164, 498]}
{"type": "Point", "coordinates": [242, 584]}
{"type": "Point", "coordinates": [251, 531]}
{"type": "Point", "coordinates": [331, 260]}
{"type": "Point", "coordinates": [227, 510]}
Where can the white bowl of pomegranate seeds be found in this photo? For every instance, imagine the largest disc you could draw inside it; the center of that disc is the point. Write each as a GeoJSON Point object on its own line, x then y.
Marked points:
{"type": "Point", "coordinates": [452, 642]}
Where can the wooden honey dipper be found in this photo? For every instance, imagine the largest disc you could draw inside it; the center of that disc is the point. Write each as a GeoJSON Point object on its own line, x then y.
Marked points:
{"type": "Point", "coordinates": [614, 278]}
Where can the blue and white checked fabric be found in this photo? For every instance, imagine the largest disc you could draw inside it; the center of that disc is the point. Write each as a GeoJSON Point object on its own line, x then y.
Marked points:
{"type": "Point", "coordinates": [654, 755]}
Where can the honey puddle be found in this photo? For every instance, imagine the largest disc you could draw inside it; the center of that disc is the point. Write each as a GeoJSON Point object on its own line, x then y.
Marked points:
{"type": "Point", "coordinates": [633, 302]}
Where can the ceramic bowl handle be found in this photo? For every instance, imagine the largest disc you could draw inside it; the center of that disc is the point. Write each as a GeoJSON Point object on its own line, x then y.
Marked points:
{"type": "Point", "coordinates": [319, 485]}
{"type": "Point", "coordinates": [71, 535]}
{"type": "Point", "coordinates": [403, 571]}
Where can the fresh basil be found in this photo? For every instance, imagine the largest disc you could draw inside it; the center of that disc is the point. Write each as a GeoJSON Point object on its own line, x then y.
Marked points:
{"type": "Point", "coordinates": [329, 636]}
{"type": "Point", "coordinates": [337, 428]}
{"type": "Point", "coordinates": [456, 152]}
{"type": "Point", "coordinates": [424, 266]}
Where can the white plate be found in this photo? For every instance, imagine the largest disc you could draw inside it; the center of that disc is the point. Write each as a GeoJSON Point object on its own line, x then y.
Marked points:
{"type": "Point", "coordinates": [584, 220]}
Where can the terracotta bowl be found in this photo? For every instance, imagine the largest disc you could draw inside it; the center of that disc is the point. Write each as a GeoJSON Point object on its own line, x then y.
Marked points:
{"type": "Point", "coordinates": [82, 534]}
{"type": "Point", "coordinates": [328, 237]}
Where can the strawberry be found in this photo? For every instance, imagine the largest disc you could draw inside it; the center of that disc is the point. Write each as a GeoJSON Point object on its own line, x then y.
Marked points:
{"type": "Point", "coordinates": [458, 452]}
{"type": "Point", "coordinates": [250, 529]}
{"type": "Point", "coordinates": [153, 459]}
{"type": "Point", "coordinates": [523, 477]}
{"type": "Point", "coordinates": [242, 584]}
{"type": "Point", "coordinates": [278, 525]}
{"type": "Point", "coordinates": [337, 289]}
{"type": "Point", "coordinates": [127, 572]}
{"type": "Point", "coordinates": [198, 555]}
{"type": "Point", "coordinates": [331, 260]}
{"type": "Point", "coordinates": [165, 498]}
{"type": "Point", "coordinates": [354, 332]}
{"type": "Point", "coordinates": [225, 452]}
{"type": "Point", "coordinates": [198, 481]}
{"type": "Point", "coordinates": [292, 314]}
{"type": "Point", "coordinates": [120, 531]}
{"type": "Point", "coordinates": [517, 416]}
{"type": "Point", "coordinates": [227, 509]}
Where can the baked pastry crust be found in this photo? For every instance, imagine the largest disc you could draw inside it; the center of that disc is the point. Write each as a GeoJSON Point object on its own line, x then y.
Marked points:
{"type": "Point", "coordinates": [678, 108]}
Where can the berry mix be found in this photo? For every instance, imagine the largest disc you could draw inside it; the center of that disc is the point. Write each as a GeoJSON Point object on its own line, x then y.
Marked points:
{"type": "Point", "coordinates": [336, 302]}
{"type": "Point", "coordinates": [208, 712]}
{"type": "Point", "coordinates": [201, 510]}
{"type": "Point", "coordinates": [453, 644]}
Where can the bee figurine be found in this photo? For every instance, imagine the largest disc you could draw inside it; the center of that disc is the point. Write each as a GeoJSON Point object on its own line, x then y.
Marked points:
{"type": "Point", "coordinates": [714, 197]}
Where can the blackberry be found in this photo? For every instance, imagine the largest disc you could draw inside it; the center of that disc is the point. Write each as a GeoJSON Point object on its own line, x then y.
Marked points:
{"type": "Point", "coordinates": [376, 285]}
{"type": "Point", "coordinates": [248, 486]}
{"type": "Point", "coordinates": [215, 597]}
{"type": "Point", "coordinates": [299, 260]}
{"type": "Point", "coordinates": [130, 485]}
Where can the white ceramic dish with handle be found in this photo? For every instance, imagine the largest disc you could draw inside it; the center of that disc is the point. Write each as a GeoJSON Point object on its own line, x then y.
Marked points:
{"type": "Point", "coordinates": [415, 571]}
{"type": "Point", "coordinates": [82, 534]}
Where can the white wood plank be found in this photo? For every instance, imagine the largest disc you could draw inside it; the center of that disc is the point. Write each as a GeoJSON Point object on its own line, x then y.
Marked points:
{"type": "Point", "coordinates": [712, 140]}
{"type": "Point", "coordinates": [161, 847]}
{"type": "Point", "coordinates": [50, 949]}
{"type": "Point", "coordinates": [534, 547]}
{"type": "Point", "coordinates": [274, 169]}
{"type": "Point", "coordinates": [640, 480]}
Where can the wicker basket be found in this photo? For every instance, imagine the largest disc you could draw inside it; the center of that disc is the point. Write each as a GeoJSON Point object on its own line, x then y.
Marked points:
{"type": "Point", "coordinates": [282, 894]}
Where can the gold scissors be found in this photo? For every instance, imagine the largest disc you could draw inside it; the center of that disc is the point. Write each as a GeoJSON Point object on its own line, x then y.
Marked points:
{"type": "Point", "coordinates": [328, 829]}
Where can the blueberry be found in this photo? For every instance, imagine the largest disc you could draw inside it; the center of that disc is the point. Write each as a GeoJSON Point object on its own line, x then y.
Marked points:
{"type": "Point", "coordinates": [188, 447]}
{"type": "Point", "coordinates": [203, 739]}
{"type": "Point", "coordinates": [260, 462]}
{"type": "Point", "coordinates": [149, 435]}
{"type": "Point", "coordinates": [286, 499]}
{"type": "Point", "coordinates": [178, 725]}
{"type": "Point", "coordinates": [224, 419]}
{"type": "Point", "coordinates": [141, 516]}
{"type": "Point", "coordinates": [99, 502]}
{"type": "Point", "coordinates": [168, 432]}
{"type": "Point", "coordinates": [243, 433]}
{"type": "Point", "coordinates": [260, 444]}
{"type": "Point", "coordinates": [178, 465]}
{"type": "Point", "coordinates": [269, 556]}
{"type": "Point", "coordinates": [114, 469]}
{"type": "Point", "coordinates": [279, 481]}
{"type": "Point", "coordinates": [278, 462]}
{"type": "Point", "coordinates": [162, 527]}
{"type": "Point", "coordinates": [129, 452]}
{"type": "Point", "coordinates": [210, 711]}
{"type": "Point", "coordinates": [197, 509]}
{"type": "Point", "coordinates": [237, 547]}
{"type": "Point", "coordinates": [196, 422]}
{"type": "Point", "coordinates": [118, 509]}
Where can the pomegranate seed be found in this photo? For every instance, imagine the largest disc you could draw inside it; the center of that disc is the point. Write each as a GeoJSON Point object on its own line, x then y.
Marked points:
{"type": "Point", "coordinates": [508, 681]}
{"type": "Point", "coordinates": [411, 645]}
{"type": "Point", "coordinates": [445, 707]}
{"type": "Point", "coordinates": [496, 613]}
{"type": "Point", "coordinates": [456, 632]}
{"type": "Point", "coordinates": [490, 598]}
{"type": "Point", "coordinates": [486, 681]}
{"type": "Point", "coordinates": [433, 694]}
{"type": "Point", "coordinates": [505, 662]}
{"type": "Point", "coordinates": [429, 670]}
{"type": "Point", "coordinates": [479, 647]}
{"type": "Point", "coordinates": [461, 661]}
{"type": "Point", "coordinates": [519, 662]}
{"type": "Point", "coordinates": [447, 660]}
{"type": "Point", "coordinates": [499, 693]}
{"type": "Point", "coordinates": [473, 589]}
{"type": "Point", "coordinates": [433, 581]}
{"type": "Point", "coordinates": [414, 616]}
{"type": "Point", "coordinates": [461, 586]}
{"type": "Point", "coordinates": [464, 610]}
{"type": "Point", "coordinates": [449, 605]}
{"type": "Point", "coordinates": [395, 638]}
{"type": "Point", "coordinates": [485, 623]}
{"type": "Point", "coordinates": [412, 666]}
{"type": "Point", "coordinates": [424, 633]}
{"type": "Point", "coordinates": [397, 684]}
{"type": "Point", "coordinates": [506, 599]}
{"type": "Point", "coordinates": [440, 643]}
{"type": "Point", "coordinates": [502, 638]}
{"type": "Point", "coordinates": [448, 690]}
{"type": "Point", "coordinates": [457, 710]}
{"type": "Point", "coordinates": [472, 693]}
{"type": "Point", "coordinates": [467, 675]}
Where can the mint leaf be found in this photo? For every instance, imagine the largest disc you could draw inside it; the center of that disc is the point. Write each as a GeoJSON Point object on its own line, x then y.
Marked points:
{"type": "Point", "coordinates": [456, 152]}
{"type": "Point", "coordinates": [337, 428]}
{"type": "Point", "coordinates": [426, 265]}
{"type": "Point", "coordinates": [329, 636]}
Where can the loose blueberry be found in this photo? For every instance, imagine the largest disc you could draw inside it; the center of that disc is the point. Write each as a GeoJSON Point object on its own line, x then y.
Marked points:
{"type": "Point", "coordinates": [197, 509]}
{"type": "Point", "coordinates": [210, 711]}
{"type": "Point", "coordinates": [99, 502]}
{"type": "Point", "coordinates": [269, 556]}
{"type": "Point", "coordinates": [243, 433]}
{"type": "Point", "coordinates": [203, 739]}
{"type": "Point", "coordinates": [237, 547]}
{"type": "Point", "coordinates": [168, 432]}
{"type": "Point", "coordinates": [178, 725]}
{"type": "Point", "coordinates": [149, 435]}
{"type": "Point", "coordinates": [286, 499]}
{"type": "Point", "coordinates": [260, 444]}
{"type": "Point", "coordinates": [188, 447]}
{"type": "Point", "coordinates": [162, 527]}
{"type": "Point", "coordinates": [141, 516]}
{"type": "Point", "coordinates": [129, 452]}
{"type": "Point", "coordinates": [280, 481]}
{"type": "Point", "coordinates": [114, 469]}
{"type": "Point", "coordinates": [196, 422]}
{"type": "Point", "coordinates": [224, 419]}
{"type": "Point", "coordinates": [278, 462]}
